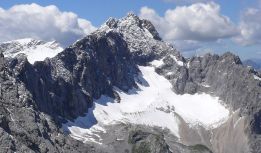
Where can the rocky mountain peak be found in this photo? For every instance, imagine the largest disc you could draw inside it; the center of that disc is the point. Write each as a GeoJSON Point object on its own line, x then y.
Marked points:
{"type": "Point", "coordinates": [132, 21]}
{"type": "Point", "coordinates": [232, 58]}
{"type": "Point", "coordinates": [25, 42]}
{"type": "Point", "coordinates": [34, 50]}
{"type": "Point", "coordinates": [112, 22]}
{"type": "Point", "coordinates": [131, 14]}
{"type": "Point", "coordinates": [132, 18]}
{"type": "Point", "coordinates": [141, 36]}
{"type": "Point", "coordinates": [121, 56]}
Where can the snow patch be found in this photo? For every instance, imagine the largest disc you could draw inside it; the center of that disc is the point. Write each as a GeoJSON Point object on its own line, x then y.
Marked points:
{"type": "Point", "coordinates": [180, 63]}
{"type": "Point", "coordinates": [257, 78]}
{"type": "Point", "coordinates": [205, 85]}
{"type": "Point", "coordinates": [170, 73]}
{"type": "Point", "coordinates": [157, 63]}
{"type": "Point", "coordinates": [35, 50]}
{"type": "Point", "coordinates": [153, 104]}
{"type": "Point", "coordinates": [188, 65]}
{"type": "Point", "coordinates": [20, 41]}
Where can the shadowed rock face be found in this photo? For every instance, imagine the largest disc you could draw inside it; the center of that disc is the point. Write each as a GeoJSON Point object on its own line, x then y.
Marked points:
{"type": "Point", "coordinates": [23, 127]}
{"type": "Point", "coordinates": [36, 99]}
{"type": "Point", "coordinates": [67, 84]}
{"type": "Point", "coordinates": [1, 61]}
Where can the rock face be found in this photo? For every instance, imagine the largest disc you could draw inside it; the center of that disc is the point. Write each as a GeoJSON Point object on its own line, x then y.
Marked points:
{"type": "Point", "coordinates": [66, 84]}
{"type": "Point", "coordinates": [36, 99]}
{"type": "Point", "coordinates": [23, 127]}
{"type": "Point", "coordinates": [223, 76]}
{"type": "Point", "coordinates": [1, 61]}
{"type": "Point", "coordinates": [142, 38]}
{"type": "Point", "coordinates": [63, 88]}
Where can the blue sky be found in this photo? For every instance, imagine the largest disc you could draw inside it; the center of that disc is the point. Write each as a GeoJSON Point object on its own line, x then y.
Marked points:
{"type": "Point", "coordinates": [99, 11]}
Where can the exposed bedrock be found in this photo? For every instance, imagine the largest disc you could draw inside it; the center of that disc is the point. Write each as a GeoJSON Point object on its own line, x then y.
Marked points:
{"type": "Point", "coordinates": [36, 98]}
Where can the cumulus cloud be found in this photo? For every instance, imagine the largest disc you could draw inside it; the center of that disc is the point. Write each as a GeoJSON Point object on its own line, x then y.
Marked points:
{"type": "Point", "coordinates": [197, 22]}
{"type": "Point", "coordinates": [250, 27]}
{"type": "Point", "coordinates": [45, 23]}
{"type": "Point", "coordinates": [187, 45]}
{"type": "Point", "coordinates": [185, 1]}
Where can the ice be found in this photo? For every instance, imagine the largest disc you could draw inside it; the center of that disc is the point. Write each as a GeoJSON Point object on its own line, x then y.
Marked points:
{"type": "Point", "coordinates": [257, 78]}
{"type": "Point", "coordinates": [35, 50]}
{"type": "Point", "coordinates": [153, 104]}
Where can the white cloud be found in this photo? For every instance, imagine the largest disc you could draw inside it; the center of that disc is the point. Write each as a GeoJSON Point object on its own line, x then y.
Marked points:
{"type": "Point", "coordinates": [45, 23]}
{"type": "Point", "coordinates": [86, 25]}
{"type": "Point", "coordinates": [250, 27]}
{"type": "Point", "coordinates": [197, 22]}
{"type": "Point", "coordinates": [185, 1]}
{"type": "Point", "coordinates": [187, 45]}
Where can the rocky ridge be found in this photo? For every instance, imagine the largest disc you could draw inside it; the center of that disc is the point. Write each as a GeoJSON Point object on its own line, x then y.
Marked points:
{"type": "Point", "coordinates": [34, 50]}
{"type": "Point", "coordinates": [36, 99]}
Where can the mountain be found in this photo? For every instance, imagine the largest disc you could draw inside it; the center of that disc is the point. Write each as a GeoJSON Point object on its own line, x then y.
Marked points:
{"type": "Point", "coordinates": [255, 63]}
{"type": "Point", "coordinates": [123, 89]}
{"type": "Point", "coordinates": [34, 50]}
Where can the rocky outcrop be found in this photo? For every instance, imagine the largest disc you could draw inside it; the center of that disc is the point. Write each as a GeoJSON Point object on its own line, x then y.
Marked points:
{"type": "Point", "coordinates": [37, 98]}
{"type": "Point", "coordinates": [142, 38]}
{"type": "Point", "coordinates": [66, 85]}
{"type": "Point", "coordinates": [236, 85]}
{"type": "Point", "coordinates": [23, 127]}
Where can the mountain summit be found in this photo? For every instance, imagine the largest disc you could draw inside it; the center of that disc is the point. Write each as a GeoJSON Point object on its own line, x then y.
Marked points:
{"type": "Point", "coordinates": [123, 89]}
{"type": "Point", "coordinates": [34, 50]}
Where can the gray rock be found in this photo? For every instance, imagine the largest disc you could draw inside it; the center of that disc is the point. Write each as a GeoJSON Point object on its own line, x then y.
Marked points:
{"type": "Point", "coordinates": [223, 76]}
{"type": "Point", "coordinates": [36, 99]}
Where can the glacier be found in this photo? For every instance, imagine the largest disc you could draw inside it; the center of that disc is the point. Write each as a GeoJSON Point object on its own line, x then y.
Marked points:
{"type": "Point", "coordinates": [152, 104]}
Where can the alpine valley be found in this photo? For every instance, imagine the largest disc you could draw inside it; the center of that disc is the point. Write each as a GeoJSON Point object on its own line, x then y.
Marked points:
{"type": "Point", "coordinates": [122, 89]}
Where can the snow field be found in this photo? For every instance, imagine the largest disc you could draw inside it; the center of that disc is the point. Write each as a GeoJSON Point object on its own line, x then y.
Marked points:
{"type": "Point", "coordinates": [153, 104]}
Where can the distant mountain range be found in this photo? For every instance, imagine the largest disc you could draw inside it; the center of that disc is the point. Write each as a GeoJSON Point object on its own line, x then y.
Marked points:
{"type": "Point", "coordinates": [255, 63]}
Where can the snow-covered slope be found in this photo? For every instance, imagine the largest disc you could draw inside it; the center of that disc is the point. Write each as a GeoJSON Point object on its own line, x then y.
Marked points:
{"type": "Point", "coordinates": [257, 77]}
{"type": "Point", "coordinates": [35, 50]}
{"type": "Point", "coordinates": [153, 104]}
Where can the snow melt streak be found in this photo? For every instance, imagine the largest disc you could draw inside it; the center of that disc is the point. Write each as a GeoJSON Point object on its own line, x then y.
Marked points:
{"type": "Point", "coordinates": [154, 104]}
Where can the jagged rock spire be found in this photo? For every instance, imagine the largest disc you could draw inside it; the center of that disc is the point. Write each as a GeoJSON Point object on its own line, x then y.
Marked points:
{"type": "Point", "coordinates": [112, 22]}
